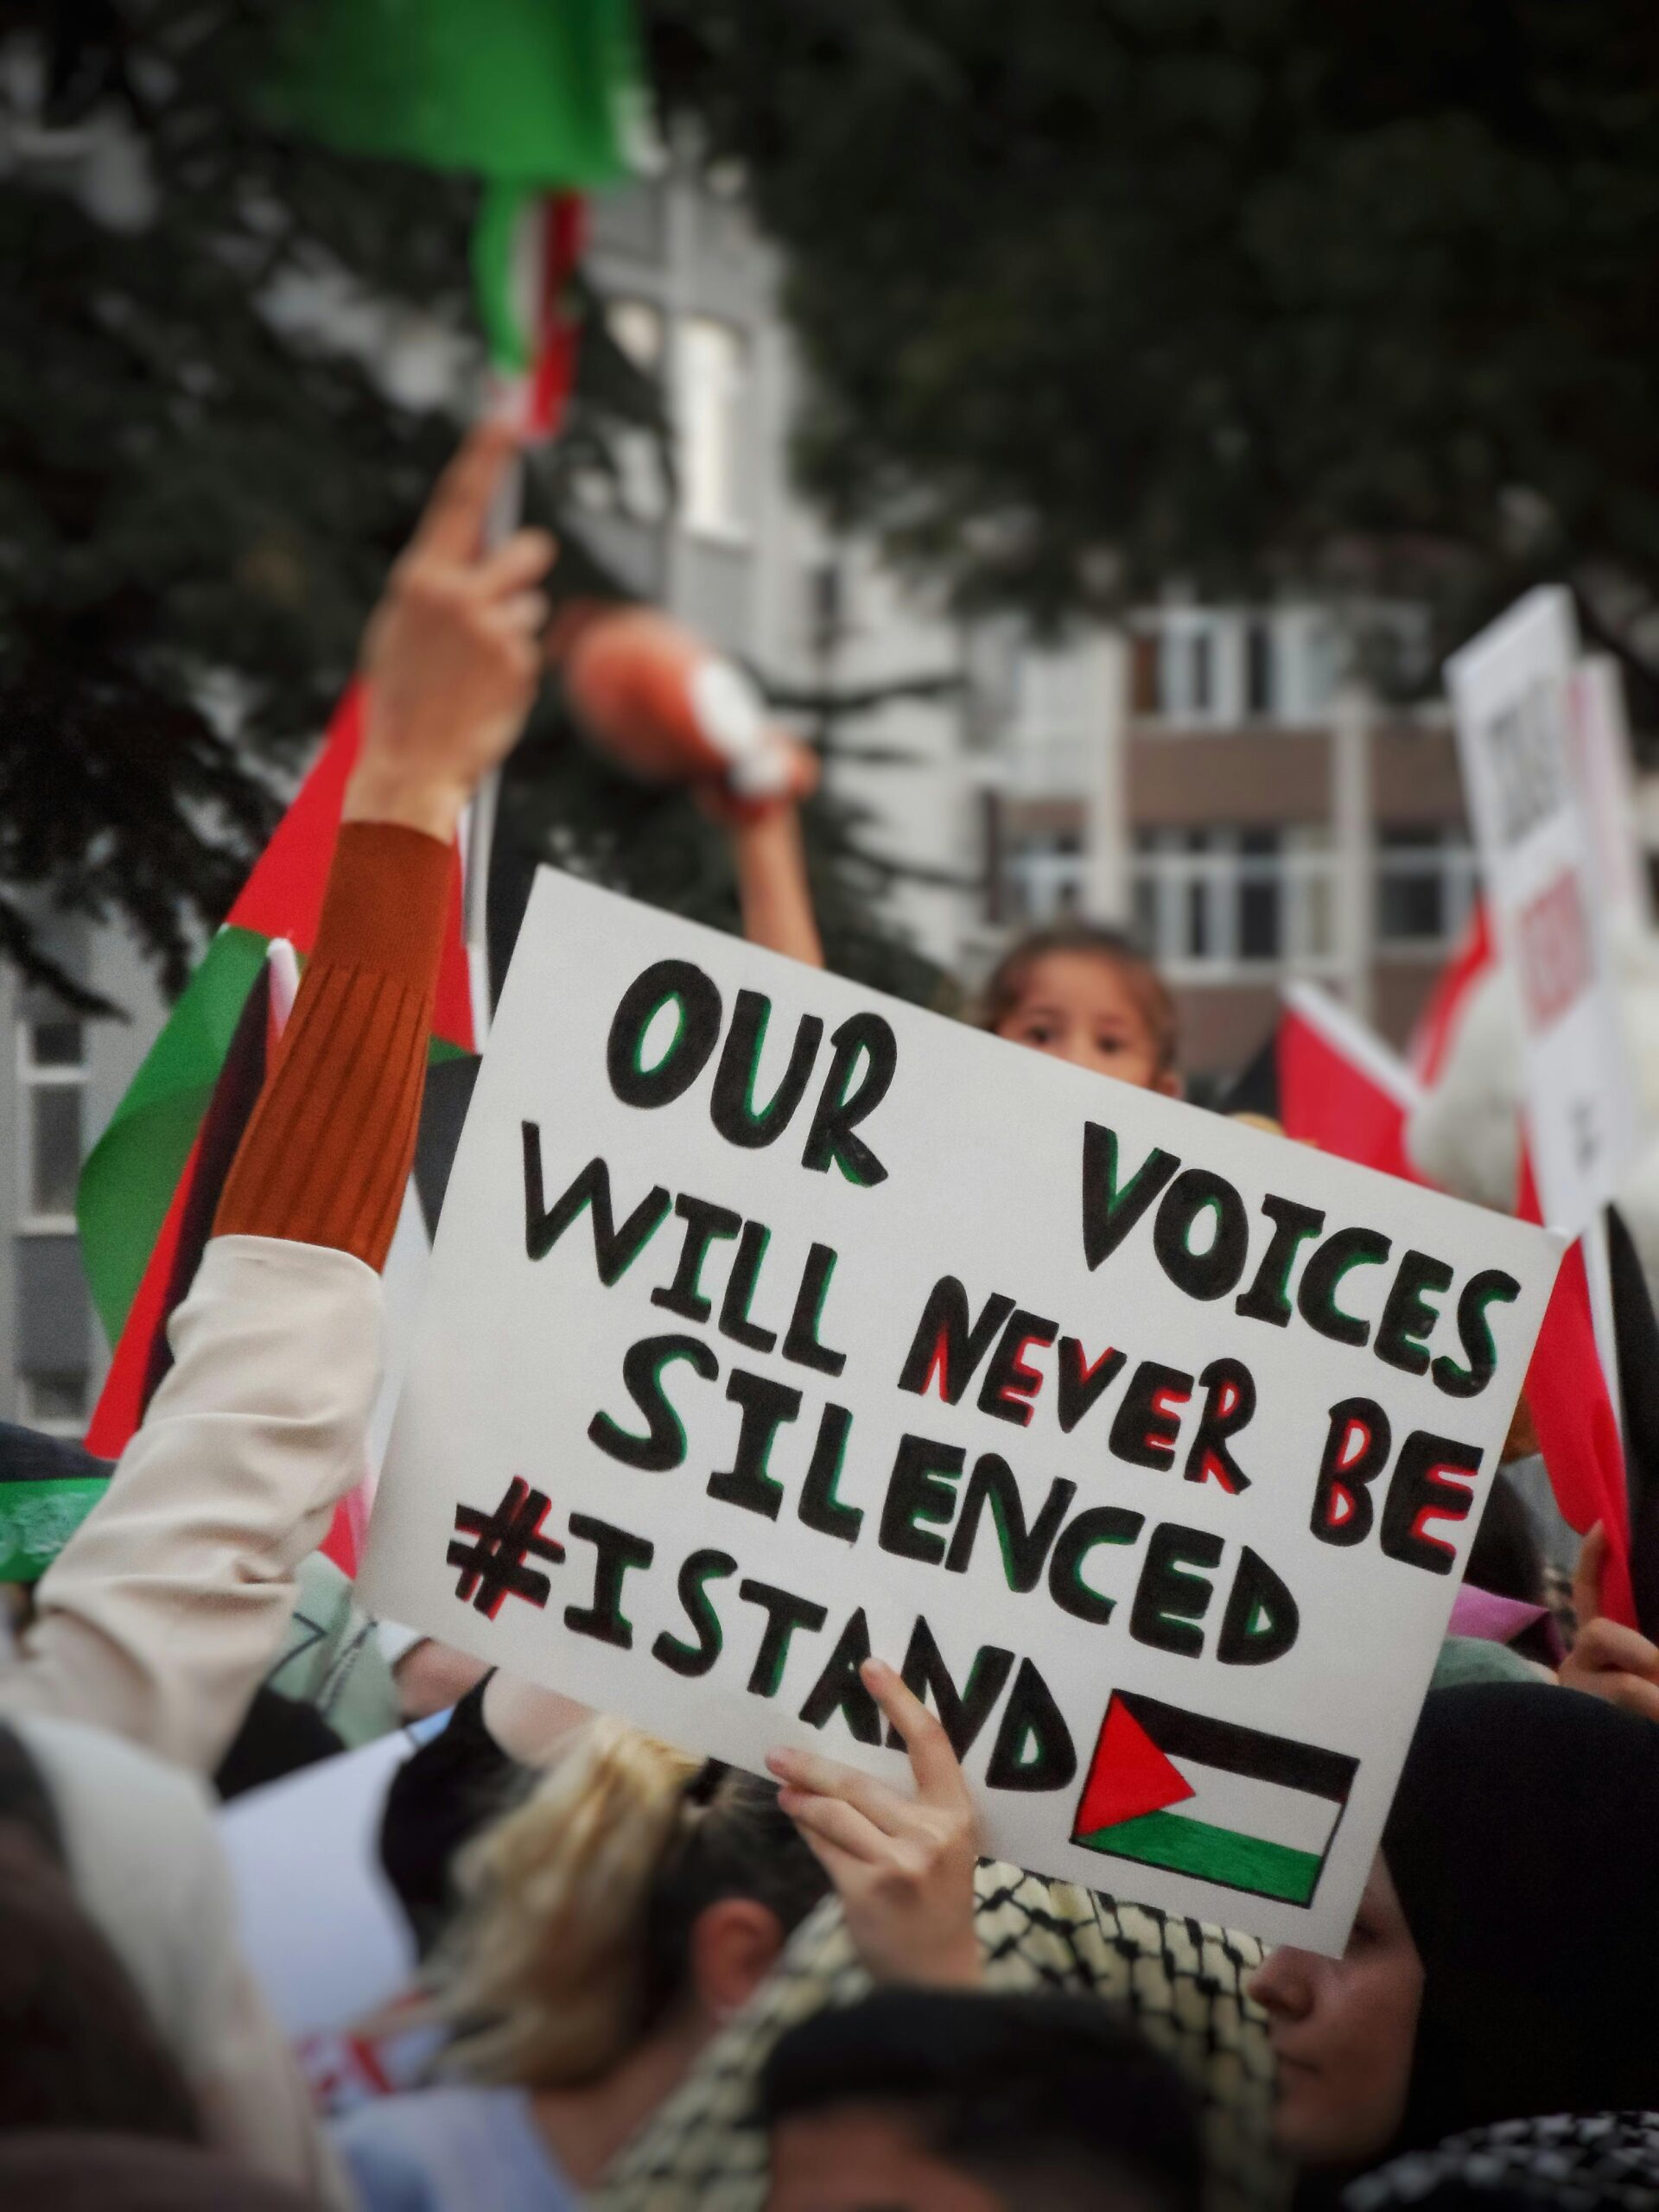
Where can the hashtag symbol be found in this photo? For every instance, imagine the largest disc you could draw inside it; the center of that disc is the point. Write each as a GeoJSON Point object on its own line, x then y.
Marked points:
{"type": "Point", "coordinates": [493, 1567]}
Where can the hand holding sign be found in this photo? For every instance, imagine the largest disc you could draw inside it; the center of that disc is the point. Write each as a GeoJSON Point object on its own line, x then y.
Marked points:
{"type": "Point", "coordinates": [903, 1866]}
{"type": "Point", "coordinates": [1607, 1659]}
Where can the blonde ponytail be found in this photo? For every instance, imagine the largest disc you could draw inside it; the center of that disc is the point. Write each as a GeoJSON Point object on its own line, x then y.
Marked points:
{"type": "Point", "coordinates": [542, 1978]}
{"type": "Point", "coordinates": [578, 1907]}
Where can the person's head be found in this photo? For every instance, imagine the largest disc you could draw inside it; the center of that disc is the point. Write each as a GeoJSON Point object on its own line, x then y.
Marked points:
{"type": "Point", "coordinates": [1502, 1962]}
{"type": "Point", "coordinates": [77, 2049]}
{"type": "Point", "coordinates": [1085, 994]}
{"type": "Point", "coordinates": [636, 1892]}
{"type": "Point", "coordinates": [950, 2101]}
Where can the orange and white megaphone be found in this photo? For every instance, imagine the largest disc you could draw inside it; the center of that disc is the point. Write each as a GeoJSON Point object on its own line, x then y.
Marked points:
{"type": "Point", "coordinates": [670, 709]}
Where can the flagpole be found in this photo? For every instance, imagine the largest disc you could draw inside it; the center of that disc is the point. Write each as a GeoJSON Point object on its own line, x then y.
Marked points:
{"type": "Point", "coordinates": [527, 270]}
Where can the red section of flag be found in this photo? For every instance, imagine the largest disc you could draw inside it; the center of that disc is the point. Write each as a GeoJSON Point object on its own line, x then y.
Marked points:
{"type": "Point", "coordinates": [283, 896]}
{"type": "Point", "coordinates": [1330, 1097]}
{"type": "Point", "coordinates": [553, 376]}
{"type": "Point", "coordinates": [1127, 1777]}
{"type": "Point", "coordinates": [1573, 1413]}
{"type": "Point", "coordinates": [1437, 1025]}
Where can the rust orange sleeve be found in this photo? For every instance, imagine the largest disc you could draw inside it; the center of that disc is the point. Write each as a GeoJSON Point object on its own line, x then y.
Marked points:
{"type": "Point", "coordinates": [329, 1151]}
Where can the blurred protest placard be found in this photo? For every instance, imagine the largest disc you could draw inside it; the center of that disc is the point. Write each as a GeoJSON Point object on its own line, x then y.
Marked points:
{"type": "Point", "coordinates": [1511, 691]}
{"type": "Point", "coordinates": [774, 1324]}
{"type": "Point", "coordinates": [1599, 732]}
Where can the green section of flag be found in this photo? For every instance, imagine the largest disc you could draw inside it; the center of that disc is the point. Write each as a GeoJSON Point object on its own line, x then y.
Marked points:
{"type": "Point", "coordinates": [1189, 1846]}
{"type": "Point", "coordinates": [38, 1518]}
{"type": "Point", "coordinates": [530, 90]}
{"type": "Point", "coordinates": [132, 1172]}
{"type": "Point", "coordinates": [511, 346]}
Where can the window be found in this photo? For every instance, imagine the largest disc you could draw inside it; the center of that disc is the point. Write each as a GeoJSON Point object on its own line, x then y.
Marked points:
{"type": "Point", "coordinates": [1425, 886]}
{"type": "Point", "coordinates": [714, 385]}
{"type": "Point", "coordinates": [1215, 900]}
{"type": "Point", "coordinates": [51, 1070]}
{"type": "Point", "coordinates": [1261, 895]}
{"type": "Point", "coordinates": [635, 485]}
{"type": "Point", "coordinates": [1191, 667]}
{"type": "Point", "coordinates": [57, 1403]}
{"type": "Point", "coordinates": [1045, 878]}
{"type": "Point", "coordinates": [1200, 671]}
{"type": "Point", "coordinates": [1048, 742]}
{"type": "Point", "coordinates": [1258, 666]}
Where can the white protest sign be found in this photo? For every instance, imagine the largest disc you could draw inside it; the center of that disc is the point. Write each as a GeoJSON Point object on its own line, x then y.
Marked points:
{"type": "Point", "coordinates": [1600, 734]}
{"type": "Point", "coordinates": [1148, 1445]}
{"type": "Point", "coordinates": [1511, 691]}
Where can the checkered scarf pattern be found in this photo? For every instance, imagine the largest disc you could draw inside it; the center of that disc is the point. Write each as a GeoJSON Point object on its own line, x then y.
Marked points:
{"type": "Point", "coordinates": [1182, 1981]}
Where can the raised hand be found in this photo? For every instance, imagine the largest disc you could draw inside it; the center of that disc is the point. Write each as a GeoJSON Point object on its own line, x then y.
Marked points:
{"type": "Point", "coordinates": [903, 1866]}
{"type": "Point", "coordinates": [451, 656]}
{"type": "Point", "coordinates": [1608, 1659]}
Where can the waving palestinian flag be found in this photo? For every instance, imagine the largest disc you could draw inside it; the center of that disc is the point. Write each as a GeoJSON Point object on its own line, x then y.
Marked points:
{"type": "Point", "coordinates": [150, 1186]}
{"type": "Point", "coordinates": [533, 97]}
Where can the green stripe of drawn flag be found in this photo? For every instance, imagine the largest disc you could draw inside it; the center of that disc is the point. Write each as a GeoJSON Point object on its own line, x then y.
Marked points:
{"type": "Point", "coordinates": [1223, 1803]}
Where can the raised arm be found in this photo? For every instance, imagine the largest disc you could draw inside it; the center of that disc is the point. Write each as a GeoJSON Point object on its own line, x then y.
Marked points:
{"type": "Point", "coordinates": [773, 888]}
{"type": "Point", "coordinates": [163, 1612]}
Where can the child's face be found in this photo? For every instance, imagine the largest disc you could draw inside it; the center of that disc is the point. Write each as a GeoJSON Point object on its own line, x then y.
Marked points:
{"type": "Point", "coordinates": [1079, 1007]}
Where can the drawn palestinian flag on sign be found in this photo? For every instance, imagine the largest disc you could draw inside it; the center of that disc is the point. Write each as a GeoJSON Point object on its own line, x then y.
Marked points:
{"type": "Point", "coordinates": [1228, 1805]}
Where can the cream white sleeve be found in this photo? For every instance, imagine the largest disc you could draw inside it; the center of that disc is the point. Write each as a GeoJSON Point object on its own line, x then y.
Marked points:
{"type": "Point", "coordinates": [168, 1606]}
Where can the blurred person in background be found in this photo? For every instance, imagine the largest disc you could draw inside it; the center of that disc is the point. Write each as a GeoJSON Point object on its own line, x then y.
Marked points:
{"type": "Point", "coordinates": [1084, 992]}
{"type": "Point", "coordinates": [610, 1925]}
{"type": "Point", "coordinates": [929, 2101]}
{"type": "Point", "coordinates": [1492, 2015]}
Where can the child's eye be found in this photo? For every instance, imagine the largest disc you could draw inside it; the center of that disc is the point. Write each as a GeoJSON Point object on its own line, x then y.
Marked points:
{"type": "Point", "coordinates": [1038, 1032]}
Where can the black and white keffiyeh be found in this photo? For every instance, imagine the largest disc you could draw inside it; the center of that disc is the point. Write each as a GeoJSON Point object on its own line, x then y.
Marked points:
{"type": "Point", "coordinates": [1570, 2162]}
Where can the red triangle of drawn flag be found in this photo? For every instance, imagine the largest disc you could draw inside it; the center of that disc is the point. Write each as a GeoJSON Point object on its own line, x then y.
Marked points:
{"type": "Point", "coordinates": [1130, 1776]}
{"type": "Point", "coordinates": [1573, 1413]}
{"type": "Point", "coordinates": [1340, 1086]}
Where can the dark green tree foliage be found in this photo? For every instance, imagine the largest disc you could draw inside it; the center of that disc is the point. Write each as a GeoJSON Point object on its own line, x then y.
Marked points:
{"type": "Point", "coordinates": [195, 505]}
{"type": "Point", "coordinates": [1099, 291]}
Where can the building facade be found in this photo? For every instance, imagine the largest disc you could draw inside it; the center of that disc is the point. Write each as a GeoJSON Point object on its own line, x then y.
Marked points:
{"type": "Point", "coordinates": [1214, 778]}
{"type": "Point", "coordinates": [1243, 804]}
{"type": "Point", "coordinates": [692, 296]}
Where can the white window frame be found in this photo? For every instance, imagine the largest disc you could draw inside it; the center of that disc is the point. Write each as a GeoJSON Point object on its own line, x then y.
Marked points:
{"type": "Point", "coordinates": [1045, 884]}
{"type": "Point", "coordinates": [1303, 869]}
{"type": "Point", "coordinates": [1445, 854]}
{"type": "Point", "coordinates": [70, 1425]}
{"type": "Point", "coordinates": [35, 1075]}
{"type": "Point", "coordinates": [723, 519]}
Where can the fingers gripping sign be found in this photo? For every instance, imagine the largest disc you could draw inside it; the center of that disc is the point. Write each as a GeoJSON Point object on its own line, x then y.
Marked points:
{"type": "Point", "coordinates": [451, 654]}
{"type": "Point", "coordinates": [902, 1865]}
{"type": "Point", "coordinates": [1607, 1659]}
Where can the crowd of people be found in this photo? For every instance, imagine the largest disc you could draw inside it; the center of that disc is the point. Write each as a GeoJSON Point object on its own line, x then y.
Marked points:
{"type": "Point", "coordinates": [649, 1979]}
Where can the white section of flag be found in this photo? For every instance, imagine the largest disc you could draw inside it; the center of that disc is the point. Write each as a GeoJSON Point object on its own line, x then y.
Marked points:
{"type": "Point", "coordinates": [1245, 1806]}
